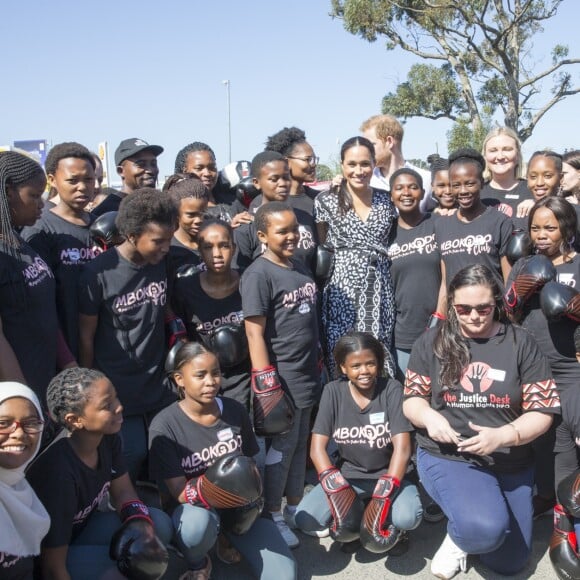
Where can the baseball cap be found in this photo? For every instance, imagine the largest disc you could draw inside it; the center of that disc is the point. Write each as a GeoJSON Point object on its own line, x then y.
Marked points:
{"type": "Point", "coordinates": [130, 147]}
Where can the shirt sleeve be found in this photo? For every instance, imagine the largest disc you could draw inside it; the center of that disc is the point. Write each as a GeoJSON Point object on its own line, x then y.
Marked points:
{"type": "Point", "coordinates": [538, 388]}
{"type": "Point", "coordinates": [164, 457]}
{"type": "Point", "coordinates": [418, 375]}
{"type": "Point", "coordinates": [90, 293]}
{"type": "Point", "coordinates": [398, 423]}
{"type": "Point", "coordinates": [505, 233]}
{"type": "Point", "coordinates": [41, 243]}
{"type": "Point", "coordinates": [245, 246]}
{"type": "Point", "coordinates": [249, 444]}
{"type": "Point", "coordinates": [325, 418]}
{"type": "Point", "coordinates": [256, 294]}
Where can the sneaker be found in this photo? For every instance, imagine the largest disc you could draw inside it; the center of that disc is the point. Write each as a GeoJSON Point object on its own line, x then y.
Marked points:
{"type": "Point", "coordinates": [289, 536]}
{"type": "Point", "coordinates": [448, 560]}
{"type": "Point", "coordinates": [432, 513]}
{"type": "Point", "coordinates": [543, 506]}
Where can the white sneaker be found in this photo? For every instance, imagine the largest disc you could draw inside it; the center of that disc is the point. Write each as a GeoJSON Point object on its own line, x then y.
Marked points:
{"type": "Point", "coordinates": [448, 560]}
{"type": "Point", "coordinates": [289, 519]}
{"type": "Point", "coordinates": [289, 536]}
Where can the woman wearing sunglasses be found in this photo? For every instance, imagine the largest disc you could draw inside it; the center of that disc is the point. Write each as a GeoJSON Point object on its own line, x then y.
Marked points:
{"type": "Point", "coordinates": [479, 391]}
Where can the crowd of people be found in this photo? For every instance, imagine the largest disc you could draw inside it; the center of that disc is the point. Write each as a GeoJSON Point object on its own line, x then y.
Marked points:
{"type": "Point", "coordinates": [411, 336]}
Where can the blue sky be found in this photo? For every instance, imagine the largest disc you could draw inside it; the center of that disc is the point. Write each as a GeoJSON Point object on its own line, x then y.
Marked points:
{"type": "Point", "coordinates": [108, 70]}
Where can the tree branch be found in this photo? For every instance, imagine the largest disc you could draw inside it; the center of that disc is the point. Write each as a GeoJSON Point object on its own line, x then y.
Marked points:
{"type": "Point", "coordinates": [549, 71]}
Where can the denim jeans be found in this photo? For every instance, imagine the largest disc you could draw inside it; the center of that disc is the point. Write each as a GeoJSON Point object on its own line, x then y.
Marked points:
{"type": "Point", "coordinates": [489, 513]}
{"type": "Point", "coordinates": [262, 546]}
{"type": "Point", "coordinates": [88, 556]}
{"type": "Point", "coordinates": [313, 513]}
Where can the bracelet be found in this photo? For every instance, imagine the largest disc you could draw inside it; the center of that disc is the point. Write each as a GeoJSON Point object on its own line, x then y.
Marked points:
{"type": "Point", "coordinates": [518, 434]}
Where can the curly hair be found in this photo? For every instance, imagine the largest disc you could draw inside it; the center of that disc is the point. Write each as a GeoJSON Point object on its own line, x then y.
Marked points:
{"type": "Point", "coordinates": [16, 170]}
{"type": "Point", "coordinates": [181, 159]}
{"type": "Point", "coordinates": [64, 151]}
{"type": "Point", "coordinates": [145, 206]}
{"type": "Point", "coordinates": [70, 391]}
{"type": "Point", "coordinates": [285, 140]}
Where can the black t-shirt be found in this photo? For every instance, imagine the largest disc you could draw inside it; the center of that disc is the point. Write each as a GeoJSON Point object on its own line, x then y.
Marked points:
{"type": "Point", "coordinates": [16, 567]}
{"type": "Point", "coordinates": [363, 436]}
{"type": "Point", "coordinates": [181, 255]}
{"type": "Point", "coordinates": [481, 241]}
{"type": "Point", "coordinates": [506, 201]}
{"type": "Point", "coordinates": [69, 489]}
{"type": "Point", "coordinates": [416, 274]}
{"type": "Point", "coordinates": [507, 376]}
{"type": "Point", "coordinates": [249, 246]}
{"type": "Point", "coordinates": [287, 297]}
{"type": "Point", "coordinates": [178, 446]}
{"type": "Point", "coordinates": [129, 344]}
{"type": "Point", "coordinates": [65, 247]}
{"type": "Point", "coordinates": [28, 313]}
{"type": "Point", "coordinates": [555, 338]}
{"type": "Point", "coordinates": [201, 314]}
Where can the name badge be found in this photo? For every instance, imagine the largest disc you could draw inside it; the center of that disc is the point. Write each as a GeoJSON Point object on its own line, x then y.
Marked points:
{"type": "Point", "coordinates": [496, 374]}
{"type": "Point", "coordinates": [225, 434]}
{"type": "Point", "coordinates": [376, 418]}
{"type": "Point", "coordinates": [511, 196]}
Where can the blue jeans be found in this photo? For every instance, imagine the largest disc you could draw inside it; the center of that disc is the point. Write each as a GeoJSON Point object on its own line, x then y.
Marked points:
{"type": "Point", "coordinates": [403, 356]}
{"type": "Point", "coordinates": [262, 546]}
{"type": "Point", "coordinates": [313, 513]}
{"type": "Point", "coordinates": [489, 513]}
{"type": "Point", "coordinates": [88, 556]}
{"type": "Point", "coordinates": [285, 468]}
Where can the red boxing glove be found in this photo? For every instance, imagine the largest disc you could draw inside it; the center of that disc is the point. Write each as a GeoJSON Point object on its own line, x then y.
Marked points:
{"type": "Point", "coordinates": [175, 330]}
{"type": "Point", "coordinates": [193, 492]}
{"type": "Point", "coordinates": [563, 546]}
{"type": "Point", "coordinates": [377, 535]}
{"type": "Point", "coordinates": [346, 506]}
{"type": "Point", "coordinates": [273, 410]}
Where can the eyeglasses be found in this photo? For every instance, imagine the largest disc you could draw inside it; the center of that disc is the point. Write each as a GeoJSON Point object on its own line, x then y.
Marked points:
{"type": "Point", "coordinates": [8, 426]}
{"type": "Point", "coordinates": [466, 309]}
{"type": "Point", "coordinates": [311, 160]}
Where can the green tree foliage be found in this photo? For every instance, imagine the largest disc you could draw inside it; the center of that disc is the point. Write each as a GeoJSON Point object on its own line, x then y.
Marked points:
{"type": "Point", "coordinates": [484, 63]}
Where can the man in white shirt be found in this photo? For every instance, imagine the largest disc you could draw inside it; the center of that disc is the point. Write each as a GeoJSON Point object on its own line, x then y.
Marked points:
{"type": "Point", "coordinates": [386, 134]}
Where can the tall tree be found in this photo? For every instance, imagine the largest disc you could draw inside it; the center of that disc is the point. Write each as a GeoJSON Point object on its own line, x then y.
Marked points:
{"type": "Point", "coordinates": [484, 50]}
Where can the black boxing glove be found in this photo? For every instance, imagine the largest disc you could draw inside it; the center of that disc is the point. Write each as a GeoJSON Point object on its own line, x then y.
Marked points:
{"type": "Point", "coordinates": [568, 494]}
{"type": "Point", "coordinates": [557, 300]}
{"type": "Point", "coordinates": [519, 246]}
{"type": "Point", "coordinates": [104, 231]}
{"type": "Point", "coordinates": [377, 535]}
{"type": "Point", "coordinates": [345, 505]}
{"type": "Point", "coordinates": [273, 410]}
{"type": "Point", "coordinates": [230, 344]}
{"type": "Point", "coordinates": [139, 553]}
{"type": "Point", "coordinates": [175, 330]}
{"type": "Point", "coordinates": [536, 272]}
{"type": "Point", "coordinates": [246, 191]}
{"type": "Point", "coordinates": [563, 546]}
{"type": "Point", "coordinates": [324, 262]}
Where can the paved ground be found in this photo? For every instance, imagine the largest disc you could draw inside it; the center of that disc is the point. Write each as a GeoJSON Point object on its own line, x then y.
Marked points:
{"type": "Point", "coordinates": [321, 558]}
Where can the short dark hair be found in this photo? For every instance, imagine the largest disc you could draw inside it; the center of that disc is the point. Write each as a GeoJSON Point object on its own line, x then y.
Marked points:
{"type": "Point", "coordinates": [64, 151]}
{"type": "Point", "coordinates": [208, 223]}
{"type": "Point", "coordinates": [406, 171]}
{"type": "Point", "coordinates": [145, 206]}
{"type": "Point", "coordinates": [263, 158]}
{"type": "Point", "coordinates": [181, 159]}
{"type": "Point", "coordinates": [69, 392]}
{"type": "Point", "coordinates": [555, 157]}
{"type": "Point", "coordinates": [262, 217]}
{"type": "Point", "coordinates": [355, 342]}
{"type": "Point", "coordinates": [468, 155]}
{"type": "Point", "coordinates": [285, 140]}
{"type": "Point", "coordinates": [183, 185]}
{"type": "Point", "coordinates": [439, 164]}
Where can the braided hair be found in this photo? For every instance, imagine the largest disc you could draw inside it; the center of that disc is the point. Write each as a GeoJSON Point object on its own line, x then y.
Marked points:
{"type": "Point", "coordinates": [185, 185]}
{"type": "Point", "coordinates": [181, 159]}
{"type": "Point", "coordinates": [69, 392]}
{"type": "Point", "coordinates": [16, 170]}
